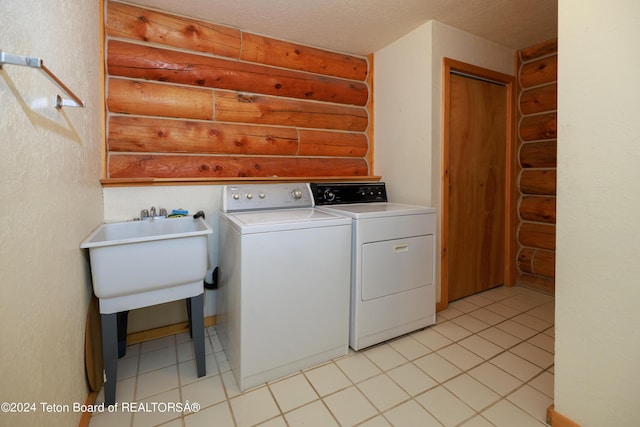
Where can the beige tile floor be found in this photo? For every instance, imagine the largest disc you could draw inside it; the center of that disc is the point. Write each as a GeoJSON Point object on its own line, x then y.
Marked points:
{"type": "Point", "coordinates": [487, 362]}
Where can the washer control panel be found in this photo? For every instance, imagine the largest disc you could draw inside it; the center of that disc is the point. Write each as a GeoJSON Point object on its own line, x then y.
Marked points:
{"type": "Point", "coordinates": [245, 197]}
{"type": "Point", "coordinates": [343, 193]}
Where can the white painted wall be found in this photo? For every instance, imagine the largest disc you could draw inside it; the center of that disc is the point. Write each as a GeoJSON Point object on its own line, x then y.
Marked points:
{"type": "Point", "coordinates": [597, 373]}
{"type": "Point", "coordinates": [408, 104]}
{"type": "Point", "coordinates": [51, 198]}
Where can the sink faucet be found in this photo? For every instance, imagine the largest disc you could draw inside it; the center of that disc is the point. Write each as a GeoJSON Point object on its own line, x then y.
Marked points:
{"type": "Point", "coordinates": [153, 213]}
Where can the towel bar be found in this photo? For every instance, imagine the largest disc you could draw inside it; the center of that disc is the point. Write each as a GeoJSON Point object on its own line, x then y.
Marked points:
{"type": "Point", "coordinates": [32, 62]}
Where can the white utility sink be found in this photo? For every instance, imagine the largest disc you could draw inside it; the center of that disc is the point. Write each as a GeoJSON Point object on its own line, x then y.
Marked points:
{"type": "Point", "coordinates": [140, 263]}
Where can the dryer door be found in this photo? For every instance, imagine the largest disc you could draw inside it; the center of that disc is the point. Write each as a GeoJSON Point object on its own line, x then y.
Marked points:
{"type": "Point", "coordinates": [394, 266]}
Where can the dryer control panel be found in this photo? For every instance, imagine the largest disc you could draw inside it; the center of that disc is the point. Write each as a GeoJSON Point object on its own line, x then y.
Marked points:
{"type": "Point", "coordinates": [325, 194]}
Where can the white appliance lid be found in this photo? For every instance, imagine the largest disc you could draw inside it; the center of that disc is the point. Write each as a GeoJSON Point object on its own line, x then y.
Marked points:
{"type": "Point", "coordinates": [376, 210]}
{"type": "Point", "coordinates": [283, 219]}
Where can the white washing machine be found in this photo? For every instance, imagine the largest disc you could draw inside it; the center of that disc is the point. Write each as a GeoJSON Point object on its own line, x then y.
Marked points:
{"type": "Point", "coordinates": [393, 261]}
{"type": "Point", "coordinates": [284, 278]}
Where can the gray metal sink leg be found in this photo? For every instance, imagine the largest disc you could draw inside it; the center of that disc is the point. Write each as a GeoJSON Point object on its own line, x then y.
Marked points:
{"type": "Point", "coordinates": [110, 356]}
{"type": "Point", "coordinates": [197, 332]}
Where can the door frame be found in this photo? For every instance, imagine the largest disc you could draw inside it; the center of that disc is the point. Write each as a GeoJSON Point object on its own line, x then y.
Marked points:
{"type": "Point", "coordinates": [449, 65]}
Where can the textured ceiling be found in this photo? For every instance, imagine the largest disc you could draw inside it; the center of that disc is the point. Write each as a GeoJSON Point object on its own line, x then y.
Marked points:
{"type": "Point", "coordinates": [365, 26]}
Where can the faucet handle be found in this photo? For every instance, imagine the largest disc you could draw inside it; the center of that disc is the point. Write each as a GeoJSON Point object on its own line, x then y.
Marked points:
{"type": "Point", "coordinates": [162, 212]}
{"type": "Point", "coordinates": [144, 213]}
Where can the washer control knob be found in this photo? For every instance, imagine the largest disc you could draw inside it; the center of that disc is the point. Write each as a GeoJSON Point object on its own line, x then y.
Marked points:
{"type": "Point", "coordinates": [329, 196]}
{"type": "Point", "coordinates": [249, 196]}
{"type": "Point", "coordinates": [296, 194]}
{"type": "Point", "coordinates": [236, 196]}
{"type": "Point", "coordinates": [261, 195]}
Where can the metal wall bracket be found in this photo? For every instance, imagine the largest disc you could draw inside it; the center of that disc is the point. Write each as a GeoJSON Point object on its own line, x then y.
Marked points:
{"type": "Point", "coordinates": [32, 62]}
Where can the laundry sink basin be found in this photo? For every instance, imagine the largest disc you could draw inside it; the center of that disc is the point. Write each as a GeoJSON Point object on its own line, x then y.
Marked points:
{"type": "Point", "coordinates": [140, 263]}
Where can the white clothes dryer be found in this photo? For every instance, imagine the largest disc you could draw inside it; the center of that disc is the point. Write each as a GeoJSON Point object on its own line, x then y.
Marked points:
{"type": "Point", "coordinates": [284, 278]}
{"type": "Point", "coordinates": [393, 261]}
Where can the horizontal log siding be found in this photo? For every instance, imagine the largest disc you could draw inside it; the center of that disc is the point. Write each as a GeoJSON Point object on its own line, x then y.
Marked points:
{"type": "Point", "coordinates": [170, 166]}
{"type": "Point", "coordinates": [537, 76]}
{"type": "Point", "coordinates": [189, 99]}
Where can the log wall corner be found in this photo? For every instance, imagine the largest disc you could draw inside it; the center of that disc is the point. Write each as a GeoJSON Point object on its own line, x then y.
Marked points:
{"type": "Point", "coordinates": [537, 155]}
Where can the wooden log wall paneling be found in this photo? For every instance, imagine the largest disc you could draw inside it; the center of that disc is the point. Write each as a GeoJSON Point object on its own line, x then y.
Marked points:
{"type": "Point", "coordinates": [537, 77]}
{"type": "Point", "coordinates": [188, 99]}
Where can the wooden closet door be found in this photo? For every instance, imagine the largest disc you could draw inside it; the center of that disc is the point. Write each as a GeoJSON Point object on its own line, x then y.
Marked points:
{"type": "Point", "coordinates": [477, 138]}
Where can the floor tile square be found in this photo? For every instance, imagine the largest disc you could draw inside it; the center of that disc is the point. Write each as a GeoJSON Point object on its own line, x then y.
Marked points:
{"type": "Point", "coordinates": [495, 378]}
{"type": "Point", "coordinates": [293, 392]}
{"type": "Point", "coordinates": [531, 401]}
{"type": "Point", "coordinates": [188, 370]}
{"type": "Point", "coordinates": [385, 357]}
{"type": "Point", "coordinates": [155, 382]}
{"type": "Point", "coordinates": [544, 312]}
{"type": "Point", "coordinates": [488, 316]}
{"type": "Point", "coordinates": [477, 421]}
{"type": "Point", "coordinates": [273, 422]}
{"type": "Point", "coordinates": [480, 346]}
{"type": "Point", "coordinates": [505, 413]}
{"type": "Point", "coordinates": [451, 330]}
{"type": "Point", "coordinates": [449, 313]}
{"type": "Point", "coordinates": [470, 323]}
{"type": "Point", "coordinates": [378, 421]}
{"type": "Point", "coordinates": [127, 367]}
{"type": "Point", "coordinates": [520, 302]}
{"type": "Point", "coordinates": [314, 414]}
{"type": "Point", "coordinates": [409, 347]}
{"type": "Point", "coordinates": [445, 406]}
{"type": "Point", "coordinates": [544, 342]}
{"type": "Point", "coordinates": [503, 310]}
{"type": "Point", "coordinates": [383, 392]}
{"type": "Point", "coordinates": [532, 322]}
{"type": "Point", "coordinates": [253, 407]}
{"type": "Point", "coordinates": [186, 351]}
{"type": "Point", "coordinates": [499, 337]}
{"type": "Point", "coordinates": [516, 366]}
{"type": "Point", "coordinates": [350, 407]}
{"type": "Point", "coordinates": [230, 384]}
{"type": "Point", "coordinates": [533, 354]}
{"type": "Point", "coordinates": [437, 367]}
{"type": "Point", "coordinates": [495, 294]}
{"type": "Point", "coordinates": [516, 329]}
{"type": "Point", "coordinates": [157, 344]}
{"type": "Point", "coordinates": [220, 413]}
{"type": "Point", "coordinates": [543, 383]}
{"type": "Point", "coordinates": [479, 299]}
{"type": "Point", "coordinates": [412, 379]}
{"type": "Point", "coordinates": [358, 367]}
{"type": "Point", "coordinates": [327, 379]}
{"type": "Point", "coordinates": [411, 414]}
{"type": "Point", "coordinates": [463, 305]}
{"type": "Point", "coordinates": [156, 359]}
{"type": "Point", "coordinates": [472, 392]}
{"type": "Point", "coordinates": [460, 356]}
{"type": "Point", "coordinates": [206, 392]}
{"type": "Point", "coordinates": [432, 339]}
